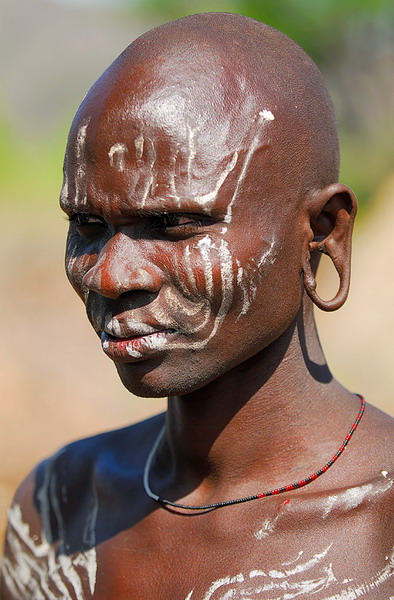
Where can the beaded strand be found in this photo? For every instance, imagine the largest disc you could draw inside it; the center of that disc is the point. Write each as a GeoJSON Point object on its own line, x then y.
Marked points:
{"type": "Point", "coordinates": [273, 492]}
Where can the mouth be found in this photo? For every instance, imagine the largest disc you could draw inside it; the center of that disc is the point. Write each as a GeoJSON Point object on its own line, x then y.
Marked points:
{"type": "Point", "coordinates": [132, 348]}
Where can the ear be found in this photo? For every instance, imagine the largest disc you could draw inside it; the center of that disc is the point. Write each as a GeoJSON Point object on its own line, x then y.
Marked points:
{"type": "Point", "coordinates": [331, 213]}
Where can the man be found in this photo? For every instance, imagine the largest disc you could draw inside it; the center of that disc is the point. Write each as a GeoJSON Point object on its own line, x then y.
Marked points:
{"type": "Point", "coordinates": [201, 187]}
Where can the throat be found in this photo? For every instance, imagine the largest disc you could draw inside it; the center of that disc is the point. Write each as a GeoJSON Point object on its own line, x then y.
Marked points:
{"type": "Point", "coordinates": [307, 479]}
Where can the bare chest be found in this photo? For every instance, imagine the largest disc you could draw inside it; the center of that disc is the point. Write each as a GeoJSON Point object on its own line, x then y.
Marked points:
{"type": "Point", "coordinates": [336, 550]}
{"type": "Point", "coordinates": [268, 557]}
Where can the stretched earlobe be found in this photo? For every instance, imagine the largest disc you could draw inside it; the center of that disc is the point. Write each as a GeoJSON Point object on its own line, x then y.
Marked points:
{"type": "Point", "coordinates": [331, 227]}
{"type": "Point", "coordinates": [344, 284]}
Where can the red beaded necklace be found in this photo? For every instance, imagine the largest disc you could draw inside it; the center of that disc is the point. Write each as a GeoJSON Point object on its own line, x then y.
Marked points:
{"type": "Point", "coordinates": [274, 492]}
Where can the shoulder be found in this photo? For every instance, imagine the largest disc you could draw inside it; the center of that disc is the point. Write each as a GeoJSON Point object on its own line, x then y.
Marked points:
{"type": "Point", "coordinates": [57, 504]}
{"type": "Point", "coordinates": [54, 522]}
{"type": "Point", "coordinates": [376, 441]}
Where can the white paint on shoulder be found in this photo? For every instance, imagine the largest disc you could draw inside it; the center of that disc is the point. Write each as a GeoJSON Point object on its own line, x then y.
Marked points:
{"type": "Point", "coordinates": [117, 156]}
{"type": "Point", "coordinates": [268, 526]}
{"type": "Point", "coordinates": [368, 587]}
{"type": "Point", "coordinates": [239, 578]}
{"type": "Point", "coordinates": [355, 496]}
{"type": "Point", "coordinates": [279, 585]}
{"type": "Point", "coordinates": [300, 567]}
{"type": "Point", "coordinates": [293, 560]}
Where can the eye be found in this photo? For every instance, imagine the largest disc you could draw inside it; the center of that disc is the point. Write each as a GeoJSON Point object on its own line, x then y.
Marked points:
{"type": "Point", "coordinates": [86, 219]}
{"type": "Point", "coordinates": [180, 224]}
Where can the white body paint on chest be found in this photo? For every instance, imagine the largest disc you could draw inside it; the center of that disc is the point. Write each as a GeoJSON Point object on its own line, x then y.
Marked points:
{"type": "Point", "coordinates": [280, 584]}
{"type": "Point", "coordinates": [286, 584]}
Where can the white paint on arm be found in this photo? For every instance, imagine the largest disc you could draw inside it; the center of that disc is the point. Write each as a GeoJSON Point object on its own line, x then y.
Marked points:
{"type": "Point", "coordinates": [34, 570]}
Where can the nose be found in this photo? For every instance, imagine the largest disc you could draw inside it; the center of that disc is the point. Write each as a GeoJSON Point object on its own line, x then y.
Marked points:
{"type": "Point", "coordinates": [122, 266]}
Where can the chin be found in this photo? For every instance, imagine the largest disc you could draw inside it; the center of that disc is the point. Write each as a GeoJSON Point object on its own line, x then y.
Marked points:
{"type": "Point", "coordinates": [145, 381]}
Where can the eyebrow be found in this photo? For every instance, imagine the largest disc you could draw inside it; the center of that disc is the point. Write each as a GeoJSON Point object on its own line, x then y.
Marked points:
{"type": "Point", "coordinates": [154, 208]}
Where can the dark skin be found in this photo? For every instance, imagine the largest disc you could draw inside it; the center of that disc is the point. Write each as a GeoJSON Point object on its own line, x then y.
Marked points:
{"type": "Point", "coordinates": [199, 205]}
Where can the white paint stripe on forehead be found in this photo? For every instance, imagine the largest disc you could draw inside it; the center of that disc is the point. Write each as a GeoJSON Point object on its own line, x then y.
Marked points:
{"type": "Point", "coordinates": [64, 190]}
{"type": "Point", "coordinates": [173, 188]}
{"type": "Point", "coordinates": [80, 174]}
{"type": "Point", "coordinates": [191, 134]}
{"type": "Point", "coordinates": [208, 199]}
{"type": "Point", "coordinates": [139, 146]}
{"type": "Point", "coordinates": [263, 117]}
{"type": "Point", "coordinates": [117, 156]}
{"type": "Point", "coordinates": [149, 180]}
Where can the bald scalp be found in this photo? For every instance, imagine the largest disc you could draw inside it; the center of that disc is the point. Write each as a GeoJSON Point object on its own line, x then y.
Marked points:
{"type": "Point", "coordinates": [214, 68]}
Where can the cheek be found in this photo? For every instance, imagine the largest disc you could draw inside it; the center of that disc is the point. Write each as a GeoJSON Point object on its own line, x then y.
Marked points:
{"type": "Point", "coordinates": [77, 264]}
{"type": "Point", "coordinates": [206, 270]}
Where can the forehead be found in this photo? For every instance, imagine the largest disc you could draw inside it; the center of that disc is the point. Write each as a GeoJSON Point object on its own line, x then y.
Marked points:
{"type": "Point", "coordinates": [159, 132]}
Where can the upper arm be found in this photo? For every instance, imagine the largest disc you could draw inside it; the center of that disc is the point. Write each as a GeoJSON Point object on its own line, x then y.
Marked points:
{"type": "Point", "coordinates": [22, 543]}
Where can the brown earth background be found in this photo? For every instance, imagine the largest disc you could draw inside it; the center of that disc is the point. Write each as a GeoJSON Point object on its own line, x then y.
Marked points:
{"type": "Point", "coordinates": [56, 384]}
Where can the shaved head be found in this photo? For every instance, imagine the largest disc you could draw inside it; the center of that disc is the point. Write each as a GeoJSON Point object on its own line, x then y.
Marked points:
{"type": "Point", "coordinates": [200, 168]}
{"type": "Point", "coordinates": [215, 73]}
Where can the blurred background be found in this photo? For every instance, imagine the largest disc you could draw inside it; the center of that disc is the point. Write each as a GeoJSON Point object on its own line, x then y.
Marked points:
{"type": "Point", "coordinates": [56, 384]}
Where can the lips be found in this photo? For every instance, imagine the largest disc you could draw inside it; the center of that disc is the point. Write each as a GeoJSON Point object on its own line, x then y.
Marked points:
{"type": "Point", "coordinates": [133, 346]}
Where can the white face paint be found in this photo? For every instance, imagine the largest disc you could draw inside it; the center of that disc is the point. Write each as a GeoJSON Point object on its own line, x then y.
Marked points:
{"type": "Point", "coordinates": [211, 277]}
{"type": "Point", "coordinates": [80, 173]}
{"type": "Point", "coordinates": [117, 156]}
{"type": "Point", "coordinates": [206, 200]}
{"type": "Point", "coordinates": [139, 147]}
{"type": "Point", "coordinates": [263, 117]}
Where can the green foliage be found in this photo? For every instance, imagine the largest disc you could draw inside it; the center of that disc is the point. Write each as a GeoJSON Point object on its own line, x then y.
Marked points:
{"type": "Point", "coordinates": [29, 171]}
{"type": "Point", "coordinates": [319, 26]}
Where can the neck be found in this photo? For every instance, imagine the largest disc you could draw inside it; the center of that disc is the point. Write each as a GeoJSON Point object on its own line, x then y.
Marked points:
{"type": "Point", "coordinates": [259, 419]}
